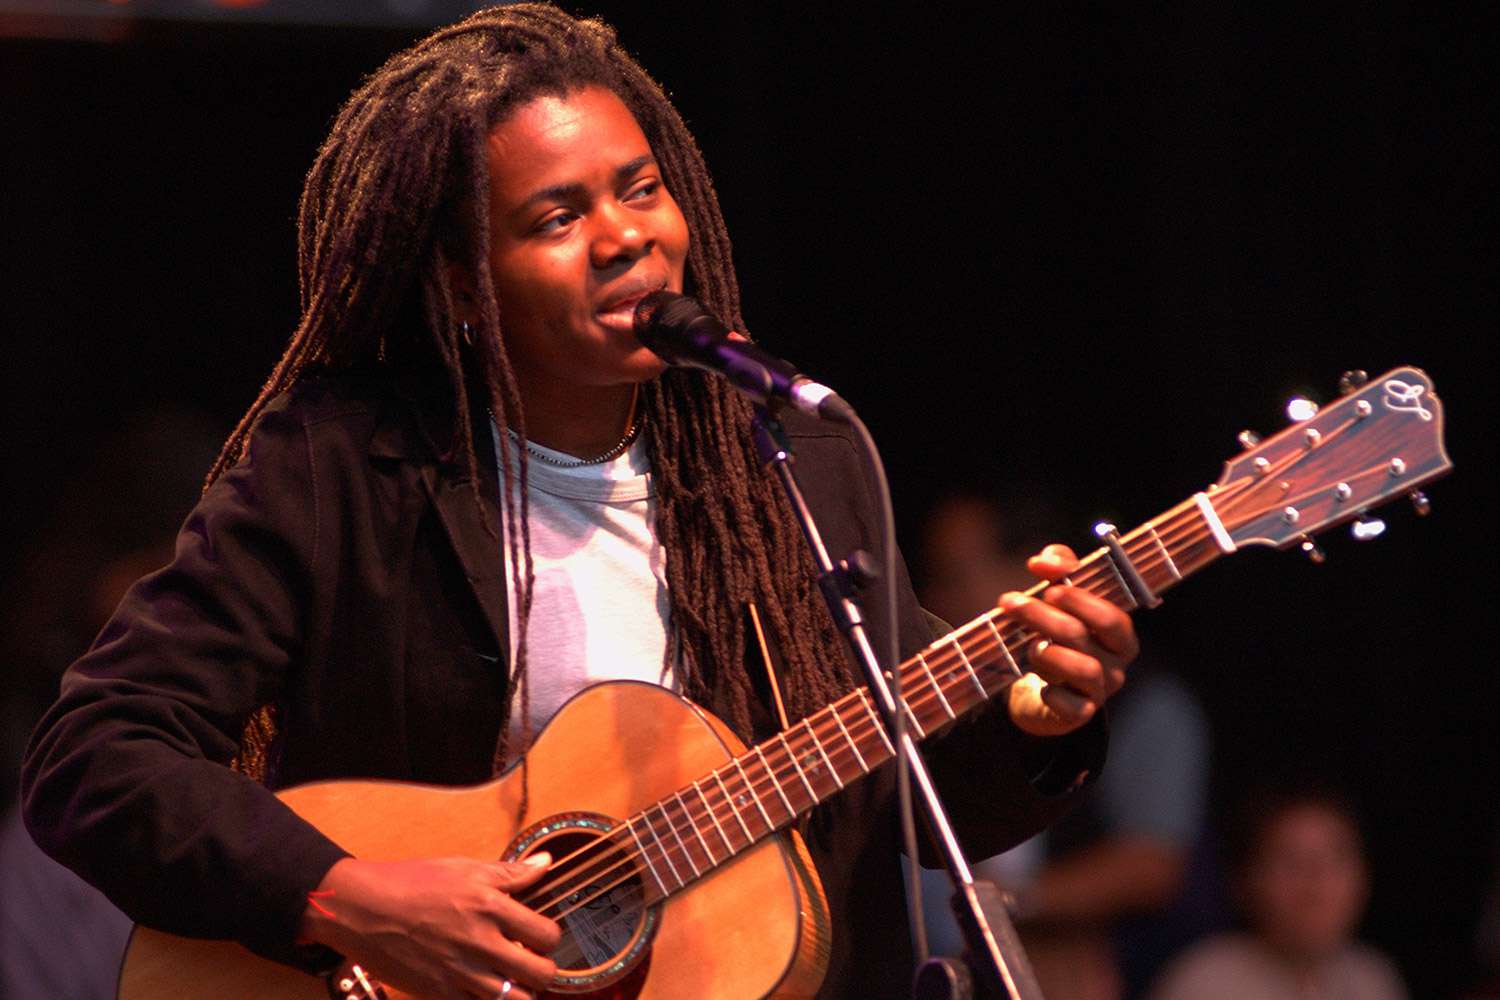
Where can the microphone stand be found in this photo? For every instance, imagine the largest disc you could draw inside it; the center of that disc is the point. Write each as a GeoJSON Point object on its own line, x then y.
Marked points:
{"type": "Point", "coordinates": [994, 948]}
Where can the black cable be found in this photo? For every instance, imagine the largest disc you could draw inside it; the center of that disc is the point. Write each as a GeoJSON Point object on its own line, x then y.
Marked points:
{"type": "Point", "coordinates": [893, 659]}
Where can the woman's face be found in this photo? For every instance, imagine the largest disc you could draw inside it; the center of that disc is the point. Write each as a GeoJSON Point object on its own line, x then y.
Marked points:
{"type": "Point", "coordinates": [581, 227]}
{"type": "Point", "coordinates": [1306, 886]}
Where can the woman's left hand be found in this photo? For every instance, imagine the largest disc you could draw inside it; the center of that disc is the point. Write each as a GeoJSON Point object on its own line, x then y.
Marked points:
{"type": "Point", "coordinates": [1078, 659]}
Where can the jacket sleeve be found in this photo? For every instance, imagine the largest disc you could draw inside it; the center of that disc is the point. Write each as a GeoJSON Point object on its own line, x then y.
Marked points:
{"type": "Point", "coordinates": [125, 780]}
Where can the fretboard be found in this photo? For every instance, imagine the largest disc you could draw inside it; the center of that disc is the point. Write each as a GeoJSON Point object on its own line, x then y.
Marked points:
{"type": "Point", "coordinates": [688, 834]}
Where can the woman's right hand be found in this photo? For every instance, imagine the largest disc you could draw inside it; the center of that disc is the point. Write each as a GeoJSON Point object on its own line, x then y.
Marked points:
{"type": "Point", "coordinates": [437, 928]}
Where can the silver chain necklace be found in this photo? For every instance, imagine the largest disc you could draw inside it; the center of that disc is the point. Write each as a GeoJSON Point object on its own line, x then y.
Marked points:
{"type": "Point", "coordinates": [615, 450]}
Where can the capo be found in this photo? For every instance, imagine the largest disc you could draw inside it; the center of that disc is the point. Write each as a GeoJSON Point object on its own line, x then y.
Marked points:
{"type": "Point", "coordinates": [1139, 590]}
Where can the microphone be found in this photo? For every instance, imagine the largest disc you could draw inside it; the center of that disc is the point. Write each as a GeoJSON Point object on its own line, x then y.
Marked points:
{"type": "Point", "coordinates": [680, 331]}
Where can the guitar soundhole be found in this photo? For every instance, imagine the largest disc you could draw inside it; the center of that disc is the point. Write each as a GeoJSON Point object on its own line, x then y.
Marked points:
{"type": "Point", "coordinates": [596, 894]}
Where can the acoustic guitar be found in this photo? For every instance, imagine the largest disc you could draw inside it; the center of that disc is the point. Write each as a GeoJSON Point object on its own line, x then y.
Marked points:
{"type": "Point", "coordinates": [665, 829]}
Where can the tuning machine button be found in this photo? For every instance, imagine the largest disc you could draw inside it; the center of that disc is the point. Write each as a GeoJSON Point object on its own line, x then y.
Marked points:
{"type": "Point", "coordinates": [1352, 380]}
{"type": "Point", "coordinates": [1314, 553]}
{"type": "Point", "coordinates": [1420, 503]}
{"type": "Point", "coordinates": [1366, 527]}
{"type": "Point", "coordinates": [1248, 439]}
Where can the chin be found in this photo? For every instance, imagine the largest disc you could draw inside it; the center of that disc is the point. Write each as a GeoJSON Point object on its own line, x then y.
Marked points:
{"type": "Point", "coordinates": [646, 366]}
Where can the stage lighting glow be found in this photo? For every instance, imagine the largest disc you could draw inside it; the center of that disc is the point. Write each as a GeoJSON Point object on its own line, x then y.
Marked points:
{"type": "Point", "coordinates": [1300, 408]}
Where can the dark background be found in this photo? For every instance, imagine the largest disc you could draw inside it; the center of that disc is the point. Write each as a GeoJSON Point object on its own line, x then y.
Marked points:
{"type": "Point", "coordinates": [1074, 247]}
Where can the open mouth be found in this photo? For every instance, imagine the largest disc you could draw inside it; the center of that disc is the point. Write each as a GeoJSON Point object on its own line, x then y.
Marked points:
{"type": "Point", "coordinates": [619, 312]}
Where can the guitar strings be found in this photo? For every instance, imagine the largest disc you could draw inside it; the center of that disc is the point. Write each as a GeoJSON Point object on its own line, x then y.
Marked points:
{"type": "Point", "coordinates": [780, 774]}
{"type": "Point", "coordinates": [942, 663]}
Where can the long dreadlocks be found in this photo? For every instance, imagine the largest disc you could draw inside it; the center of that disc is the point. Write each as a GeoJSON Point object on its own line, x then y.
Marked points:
{"type": "Point", "coordinates": [398, 193]}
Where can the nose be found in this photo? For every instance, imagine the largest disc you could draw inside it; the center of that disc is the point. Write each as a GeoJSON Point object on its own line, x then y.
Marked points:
{"type": "Point", "coordinates": [620, 236]}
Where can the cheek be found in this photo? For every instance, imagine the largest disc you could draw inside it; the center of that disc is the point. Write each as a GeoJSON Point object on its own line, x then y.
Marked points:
{"type": "Point", "coordinates": [536, 287]}
{"type": "Point", "coordinates": [674, 238]}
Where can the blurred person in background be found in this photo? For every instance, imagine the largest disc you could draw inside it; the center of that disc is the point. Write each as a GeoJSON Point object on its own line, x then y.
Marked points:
{"type": "Point", "coordinates": [1100, 895]}
{"type": "Point", "coordinates": [1485, 978]}
{"type": "Point", "coordinates": [1301, 883]}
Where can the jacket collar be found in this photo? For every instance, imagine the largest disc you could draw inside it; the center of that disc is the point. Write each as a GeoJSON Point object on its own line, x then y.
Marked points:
{"type": "Point", "coordinates": [418, 427]}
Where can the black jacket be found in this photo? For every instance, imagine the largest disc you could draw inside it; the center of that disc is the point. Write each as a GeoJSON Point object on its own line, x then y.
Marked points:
{"type": "Point", "coordinates": [341, 571]}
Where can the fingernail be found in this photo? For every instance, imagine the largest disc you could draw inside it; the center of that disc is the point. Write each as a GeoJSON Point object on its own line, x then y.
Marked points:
{"type": "Point", "coordinates": [541, 859]}
{"type": "Point", "coordinates": [1013, 600]}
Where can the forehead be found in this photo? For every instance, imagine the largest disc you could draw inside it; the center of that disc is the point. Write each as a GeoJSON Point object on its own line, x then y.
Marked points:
{"type": "Point", "coordinates": [582, 136]}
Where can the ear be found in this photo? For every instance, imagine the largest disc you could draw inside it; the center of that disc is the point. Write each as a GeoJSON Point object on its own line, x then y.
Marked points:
{"type": "Point", "coordinates": [465, 292]}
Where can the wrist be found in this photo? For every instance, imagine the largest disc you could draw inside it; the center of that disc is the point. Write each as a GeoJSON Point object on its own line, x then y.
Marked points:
{"type": "Point", "coordinates": [320, 923]}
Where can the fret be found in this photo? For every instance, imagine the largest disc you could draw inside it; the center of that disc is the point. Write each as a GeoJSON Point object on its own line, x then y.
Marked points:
{"type": "Point", "coordinates": [812, 796]}
{"type": "Point", "coordinates": [852, 745]}
{"type": "Point", "coordinates": [734, 808]}
{"type": "Point", "coordinates": [754, 796]}
{"type": "Point", "coordinates": [708, 807]}
{"type": "Point", "coordinates": [880, 727]}
{"type": "Point", "coordinates": [650, 825]}
{"type": "Point", "coordinates": [1176, 574]}
{"type": "Point", "coordinates": [970, 668]}
{"type": "Point", "coordinates": [1157, 578]}
{"type": "Point", "coordinates": [1015, 667]}
{"type": "Point", "coordinates": [694, 824]}
{"type": "Point", "coordinates": [911, 713]}
{"type": "Point", "coordinates": [833, 771]}
{"type": "Point", "coordinates": [790, 812]}
{"type": "Point", "coordinates": [641, 849]}
{"type": "Point", "coordinates": [931, 679]}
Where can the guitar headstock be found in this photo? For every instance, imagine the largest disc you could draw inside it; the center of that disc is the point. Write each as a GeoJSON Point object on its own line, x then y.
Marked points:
{"type": "Point", "coordinates": [1381, 440]}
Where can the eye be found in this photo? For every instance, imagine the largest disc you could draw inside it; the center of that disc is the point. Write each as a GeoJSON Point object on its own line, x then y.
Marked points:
{"type": "Point", "coordinates": [644, 190]}
{"type": "Point", "coordinates": [555, 222]}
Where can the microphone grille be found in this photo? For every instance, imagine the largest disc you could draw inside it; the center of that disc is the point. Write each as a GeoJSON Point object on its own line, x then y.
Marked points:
{"type": "Point", "coordinates": [667, 323]}
{"type": "Point", "coordinates": [648, 311]}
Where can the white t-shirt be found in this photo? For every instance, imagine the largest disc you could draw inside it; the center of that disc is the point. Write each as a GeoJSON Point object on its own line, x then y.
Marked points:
{"type": "Point", "coordinates": [599, 609]}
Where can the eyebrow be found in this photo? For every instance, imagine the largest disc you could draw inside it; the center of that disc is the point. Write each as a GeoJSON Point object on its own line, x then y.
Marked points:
{"type": "Point", "coordinates": [574, 189]}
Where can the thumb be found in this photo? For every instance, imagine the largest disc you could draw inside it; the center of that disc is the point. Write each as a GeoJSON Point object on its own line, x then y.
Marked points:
{"type": "Point", "coordinates": [519, 874]}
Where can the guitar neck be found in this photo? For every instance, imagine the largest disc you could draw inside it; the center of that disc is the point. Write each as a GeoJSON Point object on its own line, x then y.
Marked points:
{"type": "Point", "coordinates": [765, 789]}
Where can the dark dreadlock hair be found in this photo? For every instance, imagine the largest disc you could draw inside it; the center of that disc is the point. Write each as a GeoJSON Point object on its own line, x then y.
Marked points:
{"type": "Point", "coordinates": [399, 192]}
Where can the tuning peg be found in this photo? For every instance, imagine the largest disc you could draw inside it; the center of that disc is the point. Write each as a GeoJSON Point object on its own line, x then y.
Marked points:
{"type": "Point", "coordinates": [1420, 503]}
{"type": "Point", "coordinates": [1366, 527]}
{"type": "Point", "coordinates": [1312, 551]}
{"type": "Point", "coordinates": [1353, 379]}
{"type": "Point", "coordinates": [1248, 439]}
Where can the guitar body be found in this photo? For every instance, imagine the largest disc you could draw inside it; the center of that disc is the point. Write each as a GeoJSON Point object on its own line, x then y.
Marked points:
{"type": "Point", "coordinates": [756, 926]}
